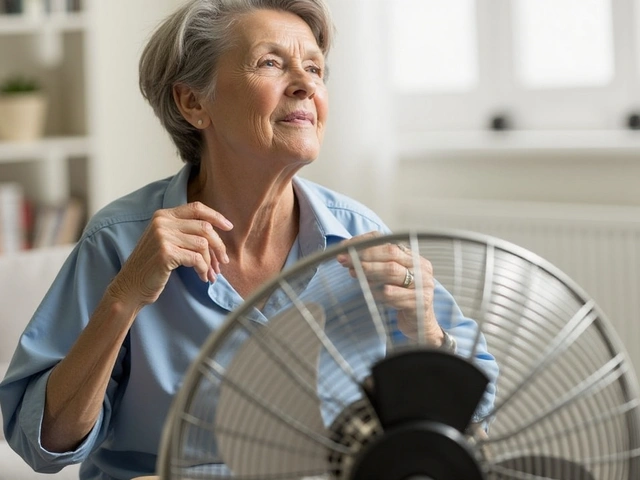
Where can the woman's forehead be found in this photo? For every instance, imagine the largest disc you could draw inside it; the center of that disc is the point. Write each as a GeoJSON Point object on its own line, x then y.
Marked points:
{"type": "Point", "coordinates": [273, 29]}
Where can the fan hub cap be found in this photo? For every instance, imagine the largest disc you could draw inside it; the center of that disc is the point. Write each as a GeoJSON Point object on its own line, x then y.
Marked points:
{"type": "Point", "coordinates": [418, 451]}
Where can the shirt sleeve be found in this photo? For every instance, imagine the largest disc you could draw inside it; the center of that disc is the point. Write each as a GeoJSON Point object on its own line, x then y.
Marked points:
{"type": "Point", "coordinates": [55, 326]}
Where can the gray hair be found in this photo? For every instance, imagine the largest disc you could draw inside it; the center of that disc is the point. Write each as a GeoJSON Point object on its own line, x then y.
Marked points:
{"type": "Point", "coordinates": [186, 47]}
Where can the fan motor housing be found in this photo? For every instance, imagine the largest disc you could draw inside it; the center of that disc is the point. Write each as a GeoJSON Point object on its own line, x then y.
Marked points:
{"type": "Point", "coordinates": [412, 420]}
{"type": "Point", "coordinates": [418, 450]}
{"type": "Point", "coordinates": [423, 409]}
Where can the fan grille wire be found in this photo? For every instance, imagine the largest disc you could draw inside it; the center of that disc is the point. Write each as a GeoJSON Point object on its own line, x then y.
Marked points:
{"type": "Point", "coordinates": [565, 388]}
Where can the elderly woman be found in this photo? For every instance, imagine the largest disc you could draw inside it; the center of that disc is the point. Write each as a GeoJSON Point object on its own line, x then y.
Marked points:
{"type": "Point", "coordinates": [240, 87]}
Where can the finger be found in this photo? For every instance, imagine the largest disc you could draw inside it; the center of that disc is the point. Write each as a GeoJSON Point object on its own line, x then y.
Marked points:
{"type": "Point", "coordinates": [388, 252]}
{"type": "Point", "coordinates": [193, 259]}
{"type": "Point", "coordinates": [192, 236]}
{"type": "Point", "coordinates": [208, 217]}
{"type": "Point", "coordinates": [213, 261]}
{"type": "Point", "coordinates": [199, 211]}
{"type": "Point", "coordinates": [404, 299]}
{"type": "Point", "coordinates": [183, 250]}
{"type": "Point", "coordinates": [392, 273]}
{"type": "Point", "coordinates": [202, 260]}
{"type": "Point", "coordinates": [379, 273]}
{"type": "Point", "coordinates": [344, 256]}
{"type": "Point", "coordinates": [214, 250]}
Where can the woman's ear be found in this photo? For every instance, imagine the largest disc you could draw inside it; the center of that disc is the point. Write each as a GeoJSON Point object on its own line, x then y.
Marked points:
{"type": "Point", "coordinates": [190, 107]}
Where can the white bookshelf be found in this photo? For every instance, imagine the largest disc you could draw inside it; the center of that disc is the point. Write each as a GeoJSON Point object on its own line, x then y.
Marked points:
{"type": "Point", "coordinates": [49, 179]}
{"type": "Point", "coordinates": [102, 139]}
{"type": "Point", "coordinates": [17, 24]}
{"type": "Point", "coordinates": [52, 47]}
{"type": "Point", "coordinates": [71, 146]}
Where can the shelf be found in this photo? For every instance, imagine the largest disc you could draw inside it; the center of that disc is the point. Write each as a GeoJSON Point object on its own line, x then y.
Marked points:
{"type": "Point", "coordinates": [13, 152]}
{"type": "Point", "coordinates": [52, 46]}
{"type": "Point", "coordinates": [417, 144]}
{"type": "Point", "coordinates": [62, 22]}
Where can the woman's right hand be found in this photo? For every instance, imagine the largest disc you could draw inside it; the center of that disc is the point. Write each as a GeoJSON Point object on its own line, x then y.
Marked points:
{"type": "Point", "coordinates": [185, 236]}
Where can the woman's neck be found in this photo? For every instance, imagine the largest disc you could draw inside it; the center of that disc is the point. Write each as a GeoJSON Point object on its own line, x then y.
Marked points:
{"type": "Point", "coordinates": [262, 208]}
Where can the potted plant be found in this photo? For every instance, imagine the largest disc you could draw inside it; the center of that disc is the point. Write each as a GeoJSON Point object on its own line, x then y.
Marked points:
{"type": "Point", "coordinates": [23, 109]}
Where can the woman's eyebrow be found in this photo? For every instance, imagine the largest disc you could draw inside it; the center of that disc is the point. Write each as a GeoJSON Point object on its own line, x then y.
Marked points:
{"type": "Point", "coordinates": [279, 49]}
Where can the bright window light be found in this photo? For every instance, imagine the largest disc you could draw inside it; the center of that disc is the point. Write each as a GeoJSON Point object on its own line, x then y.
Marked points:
{"type": "Point", "coordinates": [434, 45]}
{"type": "Point", "coordinates": [563, 43]}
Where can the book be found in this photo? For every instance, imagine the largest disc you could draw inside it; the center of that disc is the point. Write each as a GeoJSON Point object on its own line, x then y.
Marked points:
{"type": "Point", "coordinates": [70, 221]}
{"type": "Point", "coordinates": [58, 224]}
{"type": "Point", "coordinates": [46, 219]}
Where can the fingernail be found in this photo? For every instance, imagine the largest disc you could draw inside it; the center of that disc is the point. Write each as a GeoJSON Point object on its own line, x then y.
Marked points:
{"type": "Point", "coordinates": [226, 258]}
{"type": "Point", "coordinates": [227, 223]}
{"type": "Point", "coordinates": [212, 275]}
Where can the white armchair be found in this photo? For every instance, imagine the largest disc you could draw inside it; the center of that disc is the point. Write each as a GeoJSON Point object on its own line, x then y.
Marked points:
{"type": "Point", "coordinates": [24, 279]}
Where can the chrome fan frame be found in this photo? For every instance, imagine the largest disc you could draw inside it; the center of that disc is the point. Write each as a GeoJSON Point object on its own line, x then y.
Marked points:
{"type": "Point", "coordinates": [515, 450]}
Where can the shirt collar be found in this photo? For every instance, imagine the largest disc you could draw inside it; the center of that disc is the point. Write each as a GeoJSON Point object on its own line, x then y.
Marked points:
{"type": "Point", "coordinates": [319, 227]}
{"type": "Point", "coordinates": [176, 192]}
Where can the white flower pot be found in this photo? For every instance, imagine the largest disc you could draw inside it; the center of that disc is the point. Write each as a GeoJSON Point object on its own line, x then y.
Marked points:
{"type": "Point", "coordinates": [22, 116]}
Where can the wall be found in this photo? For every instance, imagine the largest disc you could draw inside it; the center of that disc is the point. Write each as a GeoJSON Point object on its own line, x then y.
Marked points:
{"type": "Point", "coordinates": [357, 156]}
{"type": "Point", "coordinates": [131, 147]}
{"type": "Point", "coordinates": [592, 177]}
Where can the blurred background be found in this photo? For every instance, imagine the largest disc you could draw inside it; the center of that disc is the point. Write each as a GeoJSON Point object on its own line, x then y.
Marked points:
{"type": "Point", "coordinates": [516, 118]}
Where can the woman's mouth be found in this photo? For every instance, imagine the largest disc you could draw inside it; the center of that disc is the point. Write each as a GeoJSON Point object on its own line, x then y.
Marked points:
{"type": "Point", "coordinates": [299, 117]}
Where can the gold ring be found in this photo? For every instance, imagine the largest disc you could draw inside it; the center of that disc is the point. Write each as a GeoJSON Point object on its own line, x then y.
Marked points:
{"type": "Point", "coordinates": [408, 279]}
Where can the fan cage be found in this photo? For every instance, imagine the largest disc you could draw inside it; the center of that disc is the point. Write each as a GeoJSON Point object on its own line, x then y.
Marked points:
{"type": "Point", "coordinates": [566, 390]}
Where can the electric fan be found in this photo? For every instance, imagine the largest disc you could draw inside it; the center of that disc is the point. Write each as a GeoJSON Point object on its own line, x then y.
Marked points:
{"type": "Point", "coordinates": [313, 378]}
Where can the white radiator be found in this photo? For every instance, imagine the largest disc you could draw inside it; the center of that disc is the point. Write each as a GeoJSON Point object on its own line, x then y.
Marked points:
{"type": "Point", "coordinates": [597, 246]}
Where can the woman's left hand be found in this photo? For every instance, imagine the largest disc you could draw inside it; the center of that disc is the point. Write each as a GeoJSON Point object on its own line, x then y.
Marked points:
{"type": "Point", "coordinates": [390, 265]}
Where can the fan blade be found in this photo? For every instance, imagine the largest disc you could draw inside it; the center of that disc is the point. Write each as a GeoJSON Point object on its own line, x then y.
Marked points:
{"type": "Point", "coordinates": [542, 467]}
{"type": "Point", "coordinates": [268, 419]}
{"type": "Point", "coordinates": [425, 384]}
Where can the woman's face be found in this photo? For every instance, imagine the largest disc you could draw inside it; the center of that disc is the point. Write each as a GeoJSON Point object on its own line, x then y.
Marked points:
{"type": "Point", "coordinates": [270, 98]}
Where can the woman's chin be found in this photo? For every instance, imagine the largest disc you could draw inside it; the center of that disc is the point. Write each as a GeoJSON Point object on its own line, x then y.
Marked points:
{"type": "Point", "coordinates": [303, 155]}
{"type": "Point", "coordinates": [299, 162]}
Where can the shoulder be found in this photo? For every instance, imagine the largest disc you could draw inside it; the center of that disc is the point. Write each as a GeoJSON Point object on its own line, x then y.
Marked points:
{"type": "Point", "coordinates": [354, 215]}
{"type": "Point", "coordinates": [135, 207]}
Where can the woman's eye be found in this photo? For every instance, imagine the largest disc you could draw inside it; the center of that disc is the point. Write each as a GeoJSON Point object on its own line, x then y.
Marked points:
{"type": "Point", "coordinates": [315, 70]}
{"type": "Point", "coordinates": [270, 62]}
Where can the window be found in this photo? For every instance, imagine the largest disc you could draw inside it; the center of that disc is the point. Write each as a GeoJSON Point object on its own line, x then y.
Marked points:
{"type": "Point", "coordinates": [563, 43]}
{"type": "Point", "coordinates": [545, 64]}
{"type": "Point", "coordinates": [435, 46]}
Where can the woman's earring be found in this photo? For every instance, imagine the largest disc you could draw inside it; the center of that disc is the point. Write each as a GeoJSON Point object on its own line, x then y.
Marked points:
{"type": "Point", "coordinates": [199, 122]}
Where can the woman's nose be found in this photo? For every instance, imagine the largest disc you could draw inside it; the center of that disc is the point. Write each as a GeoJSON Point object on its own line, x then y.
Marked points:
{"type": "Point", "coordinates": [302, 85]}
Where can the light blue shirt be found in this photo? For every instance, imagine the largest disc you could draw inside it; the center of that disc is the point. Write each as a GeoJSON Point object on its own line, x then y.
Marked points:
{"type": "Point", "coordinates": [166, 335]}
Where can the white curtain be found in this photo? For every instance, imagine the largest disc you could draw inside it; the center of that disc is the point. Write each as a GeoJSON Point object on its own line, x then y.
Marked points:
{"type": "Point", "coordinates": [358, 156]}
